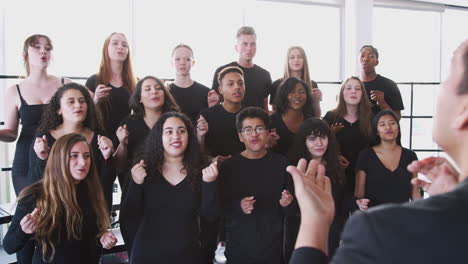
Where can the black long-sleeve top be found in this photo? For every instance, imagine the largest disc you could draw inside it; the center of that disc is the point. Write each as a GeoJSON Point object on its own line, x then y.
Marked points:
{"type": "Point", "coordinates": [104, 168]}
{"type": "Point", "coordinates": [166, 217]}
{"type": "Point", "coordinates": [256, 237]}
{"type": "Point", "coordinates": [70, 251]}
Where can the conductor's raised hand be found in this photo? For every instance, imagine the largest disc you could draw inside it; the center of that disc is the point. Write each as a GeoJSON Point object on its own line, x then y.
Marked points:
{"type": "Point", "coordinates": [442, 175]}
{"type": "Point", "coordinates": [139, 172]}
{"type": "Point", "coordinates": [210, 173]}
{"type": "Point", "coordinates": [313, 191]}
{"type": "Point", "coordinates": [41, 147]}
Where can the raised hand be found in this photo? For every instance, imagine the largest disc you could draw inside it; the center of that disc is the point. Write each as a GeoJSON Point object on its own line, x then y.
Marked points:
{"type": "Point", "coordinates": [378, 96]}
{"type": "Point", "coordinates": [108, 240]}
{"type": "Point", "coordinates": [139, 172]}
{"type": "Point", "coordinates": [210, 173]}
{"type": "Point", "coordinates": [202, 126]}
{"type": "Point", "coordinates": [247, 204]}
{"type": "Point", "coordinates": [41, 147]}
{"type": "Point", "coordinates": [313, 192]}
{"type": "Point", "coordinates": [122, 134]}
{"type": "Point", "coordinates": [336, 127]}
{"type": "Point", "coordinates": [286, 198]}
{"type": "Point", "coordinates": [29, 222]}
{"type": "Point", "coordinates": [316, 94]}
{"type": "Point", "coordinates": [363, 204]}
{"type": "Point", "coordinates": [273, 138]}
{"type": "Point", "coordinates": [439, 171]}
{"type": "Point", "coordinates": [213, 98]}
{"type": "Point", "coordinates": [344, 162]}
{"type": "Point", "coordinates": [105, 146]}
{"type": "Point", "coordinates": [101, 92]}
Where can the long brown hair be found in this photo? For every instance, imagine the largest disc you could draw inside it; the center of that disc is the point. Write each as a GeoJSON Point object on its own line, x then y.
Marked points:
{"type": "Point", "coordinates": [105, 75]}
{"type": "Point", "coordinates": [57, 200]}
{"type": "Point", "coordinates": [364, 108]}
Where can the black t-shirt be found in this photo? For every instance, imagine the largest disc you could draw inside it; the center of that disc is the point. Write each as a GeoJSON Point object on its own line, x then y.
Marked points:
{"type": "Point", "coordinates": [286, 136]}
{"type": "Point", "coordinates": [256, 237]}
{"type": "Point", "coordinates": [120, 108]}
{"type": "Point", "coordinates": [391, 93]}
{"type": "Point", "coordinates": [351, 142]}
{"type": "Point", "coordinates": [275, 87]}
{"type": "Point", "coordinates": [192, 99]}
{"type": "Point", "coordinates": [257, 84]}
{"type": "Point", "coordinates": [222, 137]}
{"type": "Point", "coordinates": [383, 185]}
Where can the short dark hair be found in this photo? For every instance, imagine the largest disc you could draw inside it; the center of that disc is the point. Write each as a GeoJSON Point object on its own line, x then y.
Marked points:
{"type": "Point", "coordinates": [374, 50]}
{"type": "Point", "coordinates": [375, 121]}
{"type": "Point", "coordinates": [227, 70]}
{"type": "Point", "coordinates": [281, 98]}
{"type": "Point", "coordinates": [251, 112]}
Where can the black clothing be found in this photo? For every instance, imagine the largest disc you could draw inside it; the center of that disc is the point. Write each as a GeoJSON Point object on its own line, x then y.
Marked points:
{"type": "Point", "coordinates": [389, 233]}
{"type": "Point", "coordinates": [165, 216]}
{"type": "Point", "coordinates": [138, 130]}
{"type": "Point", "coordinates": [104, 168]}
{"type": "Point", "coordinates": [383, 185]}
{"type": "Point", "coordinates": [351, 142]}
{"type": "Point", "coordinates": [256, 237]}
{"type": "Point", "coordinates": [257, 84]}
{"type": "Point", "coordinates": [30, 115]}
{"type": "Point", "coordinates": [222, 137]}
{"type": "Point", "coordinates": [391, 93]}
{"type": "Point", "coordinates": [192, 99]}
{"type": "Point", "coordinates": [275, 88]}
{"type": "Point", "coordinates": [68, 250]}
{"type": "Point", "coordinates": [120, 108]}
{"type": "Point", "coordinates": [286, 136]}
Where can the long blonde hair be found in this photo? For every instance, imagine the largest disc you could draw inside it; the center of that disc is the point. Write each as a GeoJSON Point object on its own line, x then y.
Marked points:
{"type": "Point", "coordinates": [57, 200]}
{"type": "Point", "coordinates": [364, 109]}
{"type": "Point", "coordinates": [305, 75]}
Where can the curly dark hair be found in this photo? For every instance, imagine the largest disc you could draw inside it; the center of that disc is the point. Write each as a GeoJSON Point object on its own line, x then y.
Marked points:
{"type": "Point", "coordinates": [281, 98]}
{"type": "Point", "coordinates": [153, 152]}
{"type": "Point", "coordinates": [137, 107]}
{"type": "Point", "coordinates": [318, 128]}
{"type": "Point", "coordinates": [50, 119]}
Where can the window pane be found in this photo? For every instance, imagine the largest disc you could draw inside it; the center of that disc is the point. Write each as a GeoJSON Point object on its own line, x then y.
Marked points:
{"type": "Point", "coordinates": [409, 44]}
{"type": "Point", "coordinates": [315, 28]}
{"type": "Point", "coordinates": [330, 94]}
{"type": "Point", "coordinates": [424, 97]}
{"type": "Point", "coordinates": [405, 132]}
{"type": "Point", "coordinates": [405, 91]}
{"type": "Point", "coordinates": [422, 134]}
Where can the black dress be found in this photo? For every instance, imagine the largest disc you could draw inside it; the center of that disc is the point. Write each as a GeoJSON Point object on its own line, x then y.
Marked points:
{"type": "Point", "coordinates": [382, 185]}
{"type": "Point", "coordinates": [286, 136]}
{"type": "Point", "coordinates": [166, 217]}
{"type": "Point", "coordinates": [70, 251]}
{"type": "Point", "coordinates": [120, 108]}
{"type": "Point", "coordinates": [105, 168]}
{"type": "Point", "coordinates": [30, 115]}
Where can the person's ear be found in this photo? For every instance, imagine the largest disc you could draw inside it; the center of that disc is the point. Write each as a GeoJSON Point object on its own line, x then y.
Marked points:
{"type": "Point", "coordinates": [240, 137]}
{"type": "Point", "coordinates": [461, 120]}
